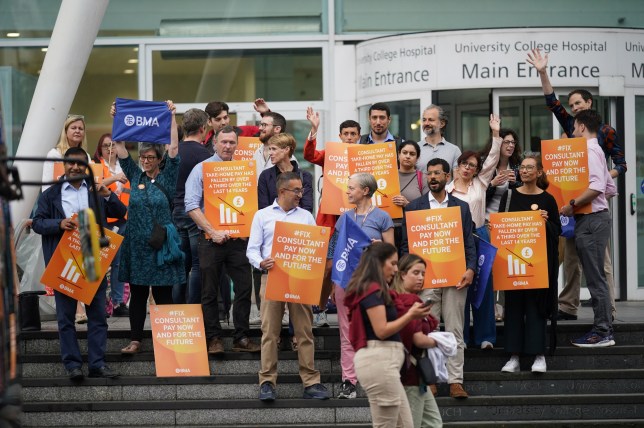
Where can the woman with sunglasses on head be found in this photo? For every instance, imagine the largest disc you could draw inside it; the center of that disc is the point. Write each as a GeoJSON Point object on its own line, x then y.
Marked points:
{"type": "Point", "coordinates": [143, 265]}
{"type": "Point", "coordinates": [374, 334]}
{"type": "Point", "coordinates": [413, 184]}
{"type": "Point", "coordinates": [378, 226]}
{"type": "Point", "coordinates": [408, 283]}
{"type": "Point", "coordinates": [472, 178]}
{"type": "Point", "coordinates": [506, 176]}
{"type": "Point", "coordinates": [114, 179]}
{"type": "Point", "coordinates": [526, 311]}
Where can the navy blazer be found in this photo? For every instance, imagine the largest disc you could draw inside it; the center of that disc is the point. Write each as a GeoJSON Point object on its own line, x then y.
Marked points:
{"type": "Point", "coordinates": [50, 213]}
{"type": "Point", "coordinates": [267, 187]}
{"type": "Point", "coordinates": [422, 203]}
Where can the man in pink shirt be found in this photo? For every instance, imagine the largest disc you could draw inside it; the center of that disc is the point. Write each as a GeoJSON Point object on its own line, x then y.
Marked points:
{"type": "Point", "coordinates": [592, 231]}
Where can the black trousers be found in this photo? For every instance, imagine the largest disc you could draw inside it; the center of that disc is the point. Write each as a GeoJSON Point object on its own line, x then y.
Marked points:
{"type": "Point", "coordinates": [138, 301]}
{"type": "Point", "coordinates": [212, 259]}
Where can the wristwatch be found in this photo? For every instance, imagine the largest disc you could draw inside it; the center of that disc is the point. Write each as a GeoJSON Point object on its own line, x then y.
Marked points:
{"type": "Point", "coordinates": [572, 203]}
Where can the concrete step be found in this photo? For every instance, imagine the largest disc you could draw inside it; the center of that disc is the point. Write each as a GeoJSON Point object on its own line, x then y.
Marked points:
{"type": "Point", "coordinates": [328, 362]}
{"type": "Point", "coordinates": [529, 408]}
{"type": "Point", "coordinates": [46, 342]}
{"type": "Point", "coordinates": [141, 388]}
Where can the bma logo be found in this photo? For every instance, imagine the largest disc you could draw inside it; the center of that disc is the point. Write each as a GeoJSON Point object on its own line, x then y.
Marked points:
{"type": "Point", "coordinates": [341, 265]}
{"type": "Point", "coordinates": [564, 220]}
{"type": "Point", "coordinates": [481, 260]}
{"type": "Point", "coordinates": [131, 120]}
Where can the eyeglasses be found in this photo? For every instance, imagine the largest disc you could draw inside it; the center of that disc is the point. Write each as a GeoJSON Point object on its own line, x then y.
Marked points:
{"type": "Point", "coordinates": [107, 146]}
{"type": "Point", "coordinates": [265, 125]}
{"type": "Point", "coordinates": [468, 165]}
{"type": "Point", "coordinates": [147, 158]}
{"type": "Point", "coordinates": [75, 163]}
{"type": "Point", "coordinates": [508, 142]}
{"type": "Point", "coordinates": [296, 191]}
{"type": "Point", "coordinates": [527, 167]}
{"type": "Point", "coordinates": [435, 173]}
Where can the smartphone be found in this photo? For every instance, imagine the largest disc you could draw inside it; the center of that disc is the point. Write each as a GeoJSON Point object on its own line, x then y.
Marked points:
{"type": "Point", "coordinates": [428, 303]}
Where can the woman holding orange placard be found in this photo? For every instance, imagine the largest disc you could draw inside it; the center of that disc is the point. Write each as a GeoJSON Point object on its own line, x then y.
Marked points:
{"type": "Point", "coordinates": [526, 311]}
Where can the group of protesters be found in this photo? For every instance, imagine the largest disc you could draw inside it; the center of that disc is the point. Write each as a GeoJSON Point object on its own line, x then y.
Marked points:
{"type": "Point", "coordinates": [385, 317]}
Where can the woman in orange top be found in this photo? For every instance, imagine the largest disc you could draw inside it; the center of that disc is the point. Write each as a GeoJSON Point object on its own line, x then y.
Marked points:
{"type": "Point", "coordinates": [115, 180]}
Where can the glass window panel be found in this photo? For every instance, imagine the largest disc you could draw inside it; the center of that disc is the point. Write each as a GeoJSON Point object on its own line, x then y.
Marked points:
{"type": "Point", "coordinates": [238, 75]}
{"type": "Point", "coordinates": [127, 18]}
{"type": "Point", "coordinates": [639, 165]}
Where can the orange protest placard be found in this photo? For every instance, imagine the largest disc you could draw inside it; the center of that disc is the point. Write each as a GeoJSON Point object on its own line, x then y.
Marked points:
{"type": "Point", "coordinates": [179, 340]}
{"type": "Point", "coordinates": [565, 162]}
{"type": "Point", "coordinates": [380, 161]}
{"type": "Point", "coordinates": [97, 169]}
{"type": "Point", "coordinates": [521, 260]}
{"type": "Point", "coordinates": [436, 235]}
{"type": "Point", "coordinates": [246, 147]}
{"type": "Point", "coordinates": [230, 196]}
{"type": "Point", "coordinates": [299, 251]}
{"type": "Point", "coordinates": [336, 177]}
{"type": "Point", "coordinates": [65, 272]}
{"type": "Point", "coordinates": [59, 170]}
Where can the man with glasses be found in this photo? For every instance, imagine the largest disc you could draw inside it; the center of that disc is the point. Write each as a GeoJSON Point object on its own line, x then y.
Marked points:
{"type": "Point", "coordinates": [52, 218]}
{"type": "Point", "coordinates": [217, 250]}
{"type": "Point", "coordinates": [607, 138]}
{"type": "Point", "coordinates": [272, 123]}
{"type": "Point", "coordinates": [448, 301]}
{"type": "Point", "coordinates": [435, 145]}
{"type": "Point", "coordinates": [284, 208]}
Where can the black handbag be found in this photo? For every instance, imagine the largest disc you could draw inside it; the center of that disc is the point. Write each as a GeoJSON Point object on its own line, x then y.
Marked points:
{"type": "Point", "coordinates": [426, 370]}
{"type": "Point", "coordinates": [158, 236]}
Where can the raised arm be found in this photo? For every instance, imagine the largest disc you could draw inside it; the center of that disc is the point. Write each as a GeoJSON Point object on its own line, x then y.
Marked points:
{"type": "Point", "coordinates": [173, 149]}
{"type": "Point", "coordinates": [492, 159]}
{"type": "Point", "coordinates": [540, 63]}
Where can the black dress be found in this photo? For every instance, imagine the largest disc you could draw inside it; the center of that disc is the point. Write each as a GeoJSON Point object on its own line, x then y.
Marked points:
{"type": "Point", "coordinates": [527, 311]}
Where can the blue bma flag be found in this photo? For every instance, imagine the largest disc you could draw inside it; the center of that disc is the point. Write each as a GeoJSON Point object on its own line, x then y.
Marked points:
{"type": "Point", "coordinates": [486, 253]}
{"type": "Point", "coordinates": [144, 121]}
{"type": "Point", "coordinates": [348, 250]}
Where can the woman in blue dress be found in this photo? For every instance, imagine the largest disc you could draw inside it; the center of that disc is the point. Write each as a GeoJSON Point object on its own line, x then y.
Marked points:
{"type": "Point", "coordinates": [142, 266]}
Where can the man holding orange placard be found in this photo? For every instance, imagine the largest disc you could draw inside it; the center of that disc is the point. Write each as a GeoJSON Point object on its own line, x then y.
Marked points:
{"type": "Point", "coordinates": [450, 301]}
{"type": "Point", "coordinates": [260, 245]}
{"type": "Point", "coordinates": [53, 217]}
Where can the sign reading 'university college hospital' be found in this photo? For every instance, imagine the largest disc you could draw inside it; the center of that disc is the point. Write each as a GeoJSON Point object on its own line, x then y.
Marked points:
{"type": "Point", "coordinates": [497, 58]}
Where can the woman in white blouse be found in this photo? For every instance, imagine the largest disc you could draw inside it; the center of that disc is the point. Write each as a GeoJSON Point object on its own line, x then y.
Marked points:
{"type": "Point", "coordinates": [470, 184]}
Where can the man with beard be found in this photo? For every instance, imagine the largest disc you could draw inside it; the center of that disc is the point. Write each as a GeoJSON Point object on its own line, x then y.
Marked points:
{"type": "Point", "coordinates": [52, 218]}
{"type": "Point", "coordinates": [218, 118]}
{"type": "Point", "coordinates": [272, 124]}
{"type": "Point", "coordinates": [435, 145]}
{"type": "Point", "coordinates": [379, 120]}
{"type": "Point", "coordinates": [448, 301]}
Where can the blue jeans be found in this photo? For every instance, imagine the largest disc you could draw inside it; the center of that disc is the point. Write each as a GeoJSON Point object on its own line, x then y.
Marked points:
{"type": "Point", "coordinates": [96, 329]}
{"type": "Point", "coordinates": [189, 233]}
{"type": "Point", "coordinates": [117, 287]}
{"type": "Point", "coordinates": [484, 323]}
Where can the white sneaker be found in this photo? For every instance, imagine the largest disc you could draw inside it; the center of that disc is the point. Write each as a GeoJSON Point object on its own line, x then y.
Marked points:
{"type": "Point", "coordinates": [256, 320]}
{"type": "Point", "coordinates": [539, 365]}
{"type": "Point", "coordinates": [487, 345]}
{"type": "Point", "coordinates": [512, 366]}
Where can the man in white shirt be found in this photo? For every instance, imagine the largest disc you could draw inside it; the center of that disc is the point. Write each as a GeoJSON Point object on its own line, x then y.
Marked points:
{"type": "Point", "coordinates": [260, 244]}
